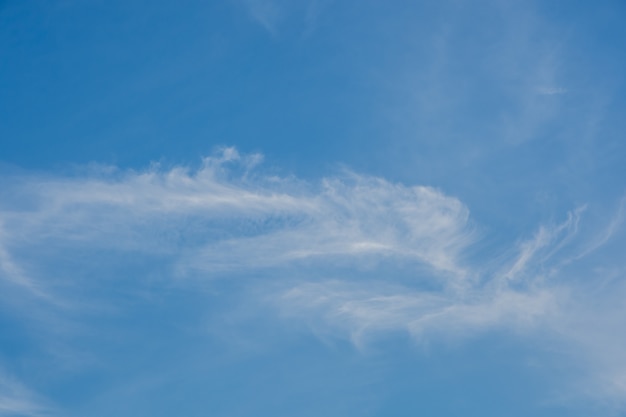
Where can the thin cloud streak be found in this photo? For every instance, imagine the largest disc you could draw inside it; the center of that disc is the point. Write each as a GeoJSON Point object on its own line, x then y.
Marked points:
{"type": "Point", "coordinates": [17, 400]}
{"type": "Point", "coordinates": [274, 15]}
{"type": "Point", "coordinates": [364, 310]}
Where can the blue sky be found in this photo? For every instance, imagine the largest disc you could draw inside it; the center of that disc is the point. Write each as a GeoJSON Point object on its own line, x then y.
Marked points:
{"type": "Point", "coordinates": [312, 208]}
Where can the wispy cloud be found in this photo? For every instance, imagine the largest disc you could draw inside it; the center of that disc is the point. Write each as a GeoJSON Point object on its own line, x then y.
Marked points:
{"type": "Point", "coordinates": [268, 13]}
{"type": "Point", "coordinates": [541, 286]}
{"type": "Point", "coordinates": [515, 296]}
{"type": "Point", "coordinates": [249, 221]}
{"type": "Point", "coordinates": [407, 249]}
{"type": "Point", "coordinates": [272, 14]}
{"type": "Point", "coordinates": [17, 400]}
{"type": "Point", "coordinates": [366, 310]}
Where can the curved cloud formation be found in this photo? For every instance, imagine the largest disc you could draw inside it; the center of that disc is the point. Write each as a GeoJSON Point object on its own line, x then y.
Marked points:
{"type": "Point", "coordinates": [212, 220]}
{"type": "Point", "coordinates": [353, 255]}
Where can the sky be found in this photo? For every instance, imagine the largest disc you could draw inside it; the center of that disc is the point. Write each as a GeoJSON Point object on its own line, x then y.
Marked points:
{"type": "Point", "coordinates": [312, 208]}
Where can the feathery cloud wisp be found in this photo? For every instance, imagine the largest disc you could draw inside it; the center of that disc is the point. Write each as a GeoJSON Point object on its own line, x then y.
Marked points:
{"type": "Point", "coordinates": [17, 400]}
{"type": "Point", "coordinates": [226, 218]}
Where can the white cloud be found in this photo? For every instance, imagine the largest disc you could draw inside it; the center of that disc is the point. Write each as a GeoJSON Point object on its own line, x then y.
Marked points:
{"type": "Point", "coordinates": [249, 221]}
{"type": "Point", "coordinates": [516, 296]}
{"type": "Point", "coordinates": [268, 13]}
{"type": "Point", "coordinates": [227, 217]}
{"type": "Point", "coordinates": [364, 310]}
{"type": "Point", "coordinates": [352, 217]}
{"type": "Point", "coordinates": [9, 270]}
{"type": "Point", "coordinates": [272, 14]}
{"type": "Point", "coordinates": [17, 400]}
{"type": "Point", "coordinates": [544, 287]}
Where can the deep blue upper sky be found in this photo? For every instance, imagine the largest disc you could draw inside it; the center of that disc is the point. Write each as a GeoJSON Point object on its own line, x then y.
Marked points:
{"type": "Point", "coordinates": [312, 208]}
